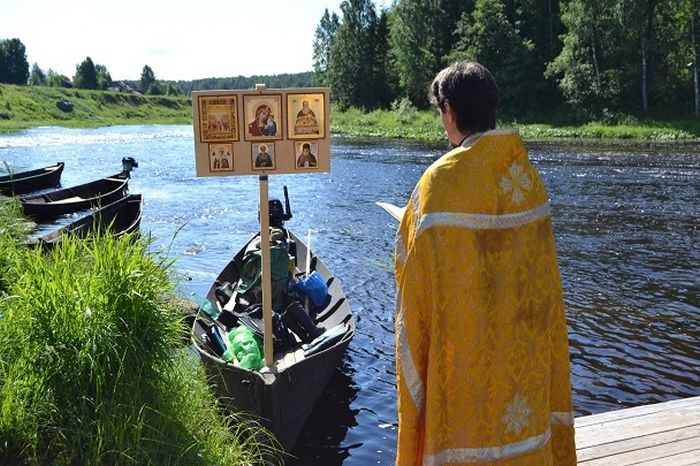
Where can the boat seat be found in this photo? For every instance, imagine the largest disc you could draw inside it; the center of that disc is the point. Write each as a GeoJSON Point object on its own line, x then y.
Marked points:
{"type": "Point", "coordinates": [326, 313]}
{"type": "Point", "coordinates": [284, 360]}
{"type": "Point", "coordinates": [69, 199]}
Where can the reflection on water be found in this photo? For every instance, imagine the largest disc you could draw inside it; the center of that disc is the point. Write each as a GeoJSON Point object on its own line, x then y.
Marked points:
{"type": "Point", "coordinates": [626, 225]}
{"type": "Point", "coordinates": [322, 443]}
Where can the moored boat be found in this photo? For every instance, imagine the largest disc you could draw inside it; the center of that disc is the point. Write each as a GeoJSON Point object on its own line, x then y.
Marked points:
{"type": "Point", "coordinates": [118, 218]}
{"type": "Point", "coordinates": [95, 193]}
{"type": "Point", "coordinates": [281, 396]}
{"type": "Point", "coordinates": [32, 180]}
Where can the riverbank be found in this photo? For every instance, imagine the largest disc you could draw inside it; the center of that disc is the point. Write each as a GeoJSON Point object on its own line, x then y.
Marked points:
{"type": "Point", "coordinates": [93, 366]}
{"type": "Point", "coordinates": [23, 107]}
{"type": "Point", "coordinates": [424, 125]}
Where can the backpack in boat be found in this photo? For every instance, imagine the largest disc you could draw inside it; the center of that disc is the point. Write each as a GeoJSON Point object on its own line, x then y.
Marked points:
{"type": "Point", "coordinates": [282, 339]}
{"type": "Point", "coordinates": [251, 271]}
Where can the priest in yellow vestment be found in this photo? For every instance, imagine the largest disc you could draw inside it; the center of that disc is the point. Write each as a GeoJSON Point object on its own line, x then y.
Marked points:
{"type": "Point", "coordinates": [481, 337]}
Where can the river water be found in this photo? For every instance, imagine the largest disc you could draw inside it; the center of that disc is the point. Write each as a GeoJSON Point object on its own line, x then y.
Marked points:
{"type": "Point", "coordinates": [626, 221]}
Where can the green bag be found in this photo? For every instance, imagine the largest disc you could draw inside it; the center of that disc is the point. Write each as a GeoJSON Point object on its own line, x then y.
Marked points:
{"type": "Point", "coordinates": [251, 272]}
{"type": "Point", "coordinates": [245, 348]}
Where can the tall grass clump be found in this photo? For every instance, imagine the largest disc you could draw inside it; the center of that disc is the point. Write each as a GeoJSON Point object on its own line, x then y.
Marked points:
{"type": "Point", "coordinates": [13, 228]}
{"type": "Point", "coordinates": [92, 368]}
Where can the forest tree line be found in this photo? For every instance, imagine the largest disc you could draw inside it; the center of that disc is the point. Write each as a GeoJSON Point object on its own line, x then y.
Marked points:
{"type": "Point", "coordinates": [593, 58]}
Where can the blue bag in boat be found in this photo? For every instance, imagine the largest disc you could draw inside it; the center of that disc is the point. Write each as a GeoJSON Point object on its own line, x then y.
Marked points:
{"type": "Point", "coordinates": [314, 287]}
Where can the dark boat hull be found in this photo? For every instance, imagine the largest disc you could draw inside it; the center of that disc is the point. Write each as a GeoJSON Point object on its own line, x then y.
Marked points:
{"type": "Point", "coordinates": [282, 401]}
{"type": "Point", "coordinates": [119, 218]}
{"type": "Point", "coordinates": [65, 201]}
{"type": "Point", "coordinates": [33, 180]}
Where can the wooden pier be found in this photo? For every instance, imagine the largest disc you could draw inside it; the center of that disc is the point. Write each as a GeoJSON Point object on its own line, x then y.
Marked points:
{"type": "Point", "coordinates": [666, 434]}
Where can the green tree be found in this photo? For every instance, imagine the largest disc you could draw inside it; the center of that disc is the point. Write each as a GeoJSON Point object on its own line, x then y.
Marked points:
{"type": "Point", "coordinates": [591, 66]}
{"type": "Point", "coordinates": [14, 68]}
{"type": "Point", "coordinates": [420, 37]}
{"type": "Point", "coordinates": [351, 71]}
{"type": "Point", "coordinates": [695, 55]}
{"type": "Point", "coordinates": [37, 76]}
{"type": "Point", "coordinates": [54, 79]}
{"type": "Point", "coordinates": [147, 78]}
{"type": "Point", "coordinates": [156, 88]}
{"type": "Point", "coordinates": [384, 74]}
{"type": "Point", "coordinates": [85, 75]}
{"type": "Point", "coordinates": [172, 89]}
{"type": "Point", "coordinates": [487, 36]}
{"type": "Point", "coordinates": [671, 59]}
{"type": "Point", "coordinates": [104, 79]}
{"type": "Point", "coordinates": [639, 19]}
{"type": "Point", "coordinates": [538, 22]}
{"type": "Point", "coordinates": [323, 43]}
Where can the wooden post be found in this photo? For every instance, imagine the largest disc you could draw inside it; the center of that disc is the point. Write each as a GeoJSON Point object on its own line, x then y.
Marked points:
{"type": "Point", "coordinates": [266, 277]}
{"type": "Point", "coordinates": [266, 272]}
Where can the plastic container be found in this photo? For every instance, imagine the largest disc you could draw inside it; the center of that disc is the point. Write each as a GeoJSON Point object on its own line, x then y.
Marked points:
{"type": "Point", "coordinates": [245, 348]}
{"type": "Point", "coordinates": [207, 307]}
{"type": "Point", "coordinates": [314, 286]}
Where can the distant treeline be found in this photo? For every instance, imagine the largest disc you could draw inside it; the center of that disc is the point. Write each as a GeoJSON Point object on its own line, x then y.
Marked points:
{"type": "Point", "coordinates": [596, 58]}
{"type": "Point", "coordinates": [305, 79]}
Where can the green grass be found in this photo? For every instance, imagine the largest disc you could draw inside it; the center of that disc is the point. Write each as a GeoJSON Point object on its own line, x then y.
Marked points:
{"type": "Point", "coordinates": [13, 229]}
{"type": "Point", "coordinates": [29, 106]}
{"type": "Point", "coordinates": [92, 366]}
{"type": "Point", "coordinates": [408, 123]}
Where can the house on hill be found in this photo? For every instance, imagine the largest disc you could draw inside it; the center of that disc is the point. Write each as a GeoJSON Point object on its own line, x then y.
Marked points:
{"type": "Point", "coordinates": [123, 86]}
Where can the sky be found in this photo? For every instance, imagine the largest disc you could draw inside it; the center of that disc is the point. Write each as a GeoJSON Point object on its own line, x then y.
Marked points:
{"type": "Point", "coordinates": [178, 39]}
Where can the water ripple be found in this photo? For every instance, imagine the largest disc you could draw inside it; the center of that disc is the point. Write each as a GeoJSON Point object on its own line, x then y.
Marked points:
{"type": "Point", "coordinates": [626, 227]}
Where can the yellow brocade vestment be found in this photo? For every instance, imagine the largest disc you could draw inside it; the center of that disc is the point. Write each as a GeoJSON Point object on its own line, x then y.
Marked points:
{"type": "Point", "coordinates": [482, 349]}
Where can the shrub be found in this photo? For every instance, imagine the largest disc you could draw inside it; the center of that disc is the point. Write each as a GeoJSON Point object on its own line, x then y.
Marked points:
{"type": "Point", "coordinates": [91, 366]}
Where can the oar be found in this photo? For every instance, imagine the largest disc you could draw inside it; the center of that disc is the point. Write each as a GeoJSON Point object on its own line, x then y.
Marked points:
{"type": "Point", "coordinates": [308, 252]}
{"type": "Point", "coordinates": [308, 266]}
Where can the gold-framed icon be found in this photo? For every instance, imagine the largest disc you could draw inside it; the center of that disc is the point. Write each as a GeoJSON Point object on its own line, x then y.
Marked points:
{"type": "Point", "coordinates": [218, 118]}
{"type": "Point", "coordinates": [306, 116]}
{"type": "Point", "coordinates": [263, 156]}
{"type": "Point", "coordinates": [220, 157]}
{"type": "Point", "coordinates": [306, 155]}
{"type": "Point", "coordinates": [263, 117]}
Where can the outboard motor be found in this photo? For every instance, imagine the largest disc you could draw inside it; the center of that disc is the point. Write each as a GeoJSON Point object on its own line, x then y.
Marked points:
{"type": "Point", "coordinates": [128, 163]}
{"type": "Point", "coordinates": [279, 214]}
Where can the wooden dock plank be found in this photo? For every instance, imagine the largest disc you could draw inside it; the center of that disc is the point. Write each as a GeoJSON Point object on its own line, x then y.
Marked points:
{"type": "Point", "coordinates": [626, 413]}
{"type": "Point", "coordinates": [633, 453]}
{"type": "Point", "coordinates": [657, 423]}
{"type": "Point", "coordinates": [668, 437]}
{"type": "Point", "coordinates": [687, 458]}
{"type": "Point", "coordinates": [661, 434]}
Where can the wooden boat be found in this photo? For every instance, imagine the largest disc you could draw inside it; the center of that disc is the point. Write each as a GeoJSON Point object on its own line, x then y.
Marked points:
{"type": "Point", "coordinates": [118, 218]}
{"type": "Point", "coordinates": [65, 201]}
{"type": "Point", "coordinates": [32, 180]}
{"type": "Point", "coordinates": [283, 397]}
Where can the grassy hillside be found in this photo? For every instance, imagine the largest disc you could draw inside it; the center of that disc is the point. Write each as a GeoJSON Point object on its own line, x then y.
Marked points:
{"type": "Point", "coordinates": [28, 106]}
